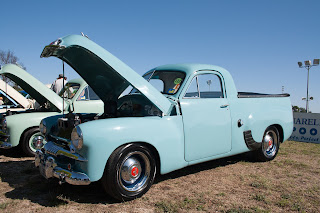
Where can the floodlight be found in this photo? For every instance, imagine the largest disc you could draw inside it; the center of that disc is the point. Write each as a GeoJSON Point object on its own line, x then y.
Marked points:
{"type": "Point", "coordinates": [307, 63]}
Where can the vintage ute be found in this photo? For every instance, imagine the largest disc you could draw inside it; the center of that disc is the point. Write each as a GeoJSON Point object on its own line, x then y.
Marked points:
{"type": "Point", "coordinates": [13, 100]}
{"type": "Point", "coordinates": [22, 127]}
{"type": "Point", "coordinates": [174, 116]}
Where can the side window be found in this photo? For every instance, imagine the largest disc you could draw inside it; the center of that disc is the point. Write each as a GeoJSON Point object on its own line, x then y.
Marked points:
{"type": "Point", "coordinates": [210, 86]}
{"type": "Point", "coordinates": [92, 95]}
{"type": "Point", "coordinates": [205, 86]}
{"type": "Point", "coordinates": [88, 94]}
{"type": "Point", "coordinates": [193, 89]}
{"type": "Point", "coordinates": [84, 95]}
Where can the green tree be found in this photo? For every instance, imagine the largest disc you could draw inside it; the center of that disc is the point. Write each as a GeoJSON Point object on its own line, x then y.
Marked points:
{"type": "Point", "coordinates": [295, 108]}
{"type": "Point", "coordinates": [298, 109]}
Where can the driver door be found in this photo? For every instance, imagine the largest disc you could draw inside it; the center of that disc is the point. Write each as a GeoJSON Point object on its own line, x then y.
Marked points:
{"type": "Point", "coordinates": [206, 117]}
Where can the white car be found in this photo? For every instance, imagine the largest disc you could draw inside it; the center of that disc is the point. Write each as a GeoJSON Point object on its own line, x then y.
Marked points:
{"type": "Point", "coordinates": [13, 100]}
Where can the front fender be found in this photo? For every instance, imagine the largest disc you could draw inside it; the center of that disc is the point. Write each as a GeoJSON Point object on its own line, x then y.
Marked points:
{"type": "Point", "coordinates": [102, 137]}
{"type": "Point", "coordinates": [17, 124]}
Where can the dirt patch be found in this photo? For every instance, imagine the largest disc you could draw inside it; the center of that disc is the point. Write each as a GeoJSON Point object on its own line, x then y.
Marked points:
{"type": "Point", "coordinates": [290, 183]}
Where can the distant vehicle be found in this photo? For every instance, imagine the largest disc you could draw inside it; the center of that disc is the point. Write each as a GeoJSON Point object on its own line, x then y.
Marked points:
{"type": "Point", "coordinates": [13, 100]}
{"type": "Point", "coordinates": [197, 115]}
{"type": "Point", "coordinates": [22, 128]}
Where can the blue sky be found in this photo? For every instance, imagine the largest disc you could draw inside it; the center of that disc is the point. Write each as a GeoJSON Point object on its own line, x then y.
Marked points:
{"type": "Point", "coordinates": [259, 42]}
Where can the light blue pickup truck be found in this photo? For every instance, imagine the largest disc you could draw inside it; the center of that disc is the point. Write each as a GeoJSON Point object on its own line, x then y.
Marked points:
{"type": "Point", "coordinates": [174, 116]}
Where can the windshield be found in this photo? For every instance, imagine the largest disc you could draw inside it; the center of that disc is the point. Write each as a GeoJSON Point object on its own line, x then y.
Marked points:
{"type": "Point", "coordinates": [167, 82]}
{"type": "Point", "coordinates": [69, 90]}
{"type": "Point", "coordinates": [6, 101]}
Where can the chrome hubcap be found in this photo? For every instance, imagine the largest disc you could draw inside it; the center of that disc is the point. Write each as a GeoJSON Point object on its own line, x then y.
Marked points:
{"type": "Point", "coordinates": [37, 142]}
{"type": "Point", "coordinates": [130, 170]}
{"type": "Point", "coordinates": [269, 144]}
{"type": "Point", "coordinates": [134, 171]}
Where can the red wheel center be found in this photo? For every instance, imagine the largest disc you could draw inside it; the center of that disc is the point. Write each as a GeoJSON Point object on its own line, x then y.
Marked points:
{"type": "Point", "coordinates": [134, 171]}
{"type": "Point", "coordinates": [270, 143]}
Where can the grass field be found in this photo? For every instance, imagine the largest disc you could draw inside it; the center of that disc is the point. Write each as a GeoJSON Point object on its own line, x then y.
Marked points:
{"type": "Point", "coordinates": [290, 183]}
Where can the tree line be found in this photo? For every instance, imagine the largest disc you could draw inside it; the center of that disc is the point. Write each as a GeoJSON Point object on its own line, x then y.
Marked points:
{"type": "Point", "coordinates": [299, 109]}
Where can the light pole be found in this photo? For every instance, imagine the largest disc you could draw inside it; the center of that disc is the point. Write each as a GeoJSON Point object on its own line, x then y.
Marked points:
{"type": "Point", "coordinates": [307, 65]}
{"type": "Point", "coordinates": [209, 83]}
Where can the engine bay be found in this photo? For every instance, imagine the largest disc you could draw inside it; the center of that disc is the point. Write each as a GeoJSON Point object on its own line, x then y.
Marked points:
{"type": "Point", "coordinates": [132, 105]}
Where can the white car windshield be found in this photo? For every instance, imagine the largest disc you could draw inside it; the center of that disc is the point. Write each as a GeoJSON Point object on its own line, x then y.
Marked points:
{"type": "Point", "coordinates": [69, 90]}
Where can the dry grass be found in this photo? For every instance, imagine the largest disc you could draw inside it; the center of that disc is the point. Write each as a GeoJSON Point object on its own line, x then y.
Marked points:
{"type": "Point", "coordinates": [290, 183]}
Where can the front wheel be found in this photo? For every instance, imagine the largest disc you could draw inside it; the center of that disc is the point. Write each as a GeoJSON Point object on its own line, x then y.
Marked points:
{"type": "Point", "coordinates": [32, 141]}
{"type": "Point", "coordinates": [270, 145]}
{"type": "Point", "coordinates": [129, 172]}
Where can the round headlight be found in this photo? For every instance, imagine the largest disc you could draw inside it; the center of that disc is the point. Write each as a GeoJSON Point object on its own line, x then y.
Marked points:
{"type": "Point", "coordinates": [43, 127]}
{"type": "Point", "coordinates": [77, 138]}
{"type": "Point", "coordinates": [4, 125]}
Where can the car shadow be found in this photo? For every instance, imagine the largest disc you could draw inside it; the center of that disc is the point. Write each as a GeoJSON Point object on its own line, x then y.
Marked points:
{"type": "Point", "coordinates": [14, 152]}
{"type": "Point", "coordinates": [27, 183]}
{"type": "Point", "coordinates": [247, 157]}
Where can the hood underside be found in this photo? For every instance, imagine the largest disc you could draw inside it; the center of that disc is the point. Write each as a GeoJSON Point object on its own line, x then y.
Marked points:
{"type": "Point", "coordinates": [106, 74]}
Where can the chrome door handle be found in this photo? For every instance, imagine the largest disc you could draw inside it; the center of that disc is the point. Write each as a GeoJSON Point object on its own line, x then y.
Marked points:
{"type": "Point", "coordinates": [224, 106]}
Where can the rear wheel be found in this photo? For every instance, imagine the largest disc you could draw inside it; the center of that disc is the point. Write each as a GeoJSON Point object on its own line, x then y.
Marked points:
{"type": "Point", "coordinates": [270, 145]}
{"type": "Point", "coordinates": [130, 172]}
{"type": "Point", "coordinates": [32, 141]}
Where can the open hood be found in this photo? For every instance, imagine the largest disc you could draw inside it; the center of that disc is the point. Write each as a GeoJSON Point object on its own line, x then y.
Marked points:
{"type": "Point", "coordinates": [13, 95]}
{"type": "Point", "coordinates": [106, 74]}
{"type": "Point", "coordinates": [37, 90]}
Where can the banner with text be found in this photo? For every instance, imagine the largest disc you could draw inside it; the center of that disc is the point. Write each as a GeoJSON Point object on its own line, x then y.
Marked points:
{"type": "Point", "coordinates": [306, 127]}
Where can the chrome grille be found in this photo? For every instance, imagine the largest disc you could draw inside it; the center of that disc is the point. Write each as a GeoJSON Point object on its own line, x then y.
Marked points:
{"type": "Point", "coordinates": [51, 148]}
{"type": "Point", "coordinates": [55, 150]}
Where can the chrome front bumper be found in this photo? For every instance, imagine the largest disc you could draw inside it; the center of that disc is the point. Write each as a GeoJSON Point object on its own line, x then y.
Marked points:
{"type": "Point", "coordinates": [49, 168]}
